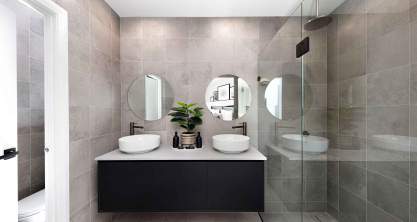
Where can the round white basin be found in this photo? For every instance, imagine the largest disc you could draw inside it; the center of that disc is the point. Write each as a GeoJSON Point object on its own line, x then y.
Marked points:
{"type": "Point", "coordinates": [231, 143]}
{"type": "Point", "coordinates": [311, 144]}
{"type": "Point", "coordinates": [139, 143]}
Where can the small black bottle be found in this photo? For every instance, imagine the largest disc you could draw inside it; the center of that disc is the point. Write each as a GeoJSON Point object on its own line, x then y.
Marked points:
{"type": "Point", "coordinates": [199, 141]}
{"type": "Point", "coordinates": [176, 141]}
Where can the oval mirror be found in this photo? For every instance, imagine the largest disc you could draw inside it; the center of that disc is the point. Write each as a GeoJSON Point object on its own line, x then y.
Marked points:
{"type": "Point", "coordinates": [150, 97]}
{"type": "Point", "coordinates": [283, 97]}
{"type": "Point", "coordinates": [228, 97]}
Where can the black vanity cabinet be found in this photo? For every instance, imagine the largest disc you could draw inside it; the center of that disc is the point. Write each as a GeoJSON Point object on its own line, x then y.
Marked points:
{"type": "Point", "coordinates": [180, 186]}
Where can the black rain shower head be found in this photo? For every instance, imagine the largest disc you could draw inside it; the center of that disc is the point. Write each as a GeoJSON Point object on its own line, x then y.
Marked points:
{"type": "Point", "coordinates": [317, 23]}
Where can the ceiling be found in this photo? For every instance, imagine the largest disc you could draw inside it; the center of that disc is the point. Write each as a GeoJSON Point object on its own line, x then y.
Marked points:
{"type": "Point", "coordinates": [213, 8]}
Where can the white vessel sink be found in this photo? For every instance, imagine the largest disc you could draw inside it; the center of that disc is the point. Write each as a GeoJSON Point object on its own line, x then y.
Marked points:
{"type": "Point", "coordinates": [311, 144]}
{"type": "Point", "coordinates": [231, 143]}
{"type": "Point", "coordinates": [139, 143]}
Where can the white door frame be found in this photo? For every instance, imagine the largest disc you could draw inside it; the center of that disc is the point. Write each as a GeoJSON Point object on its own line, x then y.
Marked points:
{"type": "Point", "coordinates": [56, 108]}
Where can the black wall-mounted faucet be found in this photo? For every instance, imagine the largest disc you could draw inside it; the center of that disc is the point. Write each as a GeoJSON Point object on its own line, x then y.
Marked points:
{"type": "Point", "coordinates": [133, 126]}
{"type": "Point", "coordinates": [244, 127]}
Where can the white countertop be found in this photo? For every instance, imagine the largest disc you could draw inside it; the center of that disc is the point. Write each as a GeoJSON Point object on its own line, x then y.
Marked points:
{"type": "Point", "coordinates": [168, 153]}
{"type": "Point", "coordinates": [297, 156]}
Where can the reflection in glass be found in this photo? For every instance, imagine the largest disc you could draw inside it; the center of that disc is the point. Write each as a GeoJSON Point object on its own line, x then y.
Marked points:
{"type": "Point", "coordinates": [150, 97]}
{"type": "Point", "coordinates": [283, 97]}
{"type": "Point", "coordinates": [228, 97]}
{"type": "Point", "coordinates": [273, 97]}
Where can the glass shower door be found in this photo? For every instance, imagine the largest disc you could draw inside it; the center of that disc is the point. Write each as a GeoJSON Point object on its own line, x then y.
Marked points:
{"type": "Point", "coordinates": [280, 118]}
{"type": "Point", "coordinates": [314, 112]}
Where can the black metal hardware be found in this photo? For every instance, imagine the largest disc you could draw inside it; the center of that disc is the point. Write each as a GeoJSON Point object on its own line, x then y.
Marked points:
{"type": "Point", "coordinates": [244, 127]}
{"type": "Point", "coordinates": [9, 153]}
{"type": "Point", "coordinates": [303, 47]}
{"type": "Point", "coordinates": [133, 126]}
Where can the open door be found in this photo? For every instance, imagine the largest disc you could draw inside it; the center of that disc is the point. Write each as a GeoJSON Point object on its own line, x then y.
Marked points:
{"type": "Point", "coordinates": [8, 116]}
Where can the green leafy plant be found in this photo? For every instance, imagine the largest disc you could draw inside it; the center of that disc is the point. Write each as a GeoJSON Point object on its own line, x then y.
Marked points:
{"type": "Point", "coordinates": [187, 116]}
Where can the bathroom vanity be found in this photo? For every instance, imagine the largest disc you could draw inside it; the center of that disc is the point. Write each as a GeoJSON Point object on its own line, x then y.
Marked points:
{"type": "Point", "coordinates": [172, 180]}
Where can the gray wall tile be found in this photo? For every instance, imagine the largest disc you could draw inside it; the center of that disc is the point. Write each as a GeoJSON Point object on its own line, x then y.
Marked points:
{"type": "Point", "coordinates": [383, 16]}
{"type": "Point", "coordinates": [413, 85]}
{"type": "Point", "coordinates": [30, 101]}
{"type": "Point", "coordinates": [376, 214]}
{"type": "Point", "coordinates": [388, 120]}
{"type": "Point", "coordinates": [352, 208]}
{"type": "Point", "coordinates": [95, 88]}
{"type": "Point", "coordinates": [23, 92]}
{"type": "Point", "coordinates": [413, 207]}
{"type": "Point", "coordinates": [353, 179]}
{"type": "Point", "coordinates": [189, 52]}
{"type": "Point", "coordinates": [82, 215]}
{"type": "Point", "coordinates": [130, 49]}
{"type": "Point", "coordinates": [389, 87]}
{"type": "Point", "coordinates": [371, 87]}
{"type": "Point", "coordinates": [79, 158]}
{"type": "Point", "coordinates": [388, 50]}
{"type": "Point", "coordinates": [36, 46]}
{"type": "Point", "coordinates": [333, 195]}
{"type": "Point", "coordinates": [390, 195]}
{"type": "Point", "coordinates": [79, 123]}
{"type": "Point", "coordinates": [79, 192]}
{"type": "Point", "coordinates": [130, 28]}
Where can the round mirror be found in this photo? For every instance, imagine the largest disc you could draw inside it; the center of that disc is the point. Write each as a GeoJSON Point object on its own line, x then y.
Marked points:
{"type": "Point", "coordinates": [283, 97]}
{"type": "Point", "coordinates": [228, 97]}
{"type": "Point", "coordinates": [150, 97]}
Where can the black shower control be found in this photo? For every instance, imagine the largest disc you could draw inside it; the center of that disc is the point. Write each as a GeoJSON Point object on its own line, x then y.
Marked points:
{"type": "Point", "coordinates": [303, 47]}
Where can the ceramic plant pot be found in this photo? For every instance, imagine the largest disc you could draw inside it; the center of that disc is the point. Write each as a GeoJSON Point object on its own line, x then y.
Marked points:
{"type": "Point", "coordinates": [188, 138]}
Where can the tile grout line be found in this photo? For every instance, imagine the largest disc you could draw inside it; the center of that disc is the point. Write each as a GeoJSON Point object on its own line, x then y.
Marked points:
{"type": "Point", "coordinates": [409, 111]}
{"type": "Point", "coordinates": [366, 108]}
{"type": "Point", "coordinates": [30, 108]}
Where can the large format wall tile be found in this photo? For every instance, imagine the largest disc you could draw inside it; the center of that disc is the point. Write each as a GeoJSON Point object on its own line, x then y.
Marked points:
{"type": "Point", "coordinates": [79, 192]}
{"type": "Point", "coordinates": [189, 52]}
{"type": "Point", "coordinates": [352, 208]}
{"type": "Point", "coordinates": [30, 98]}
{"type": "Point", "coordinates": [384, 15]}
{"type": "Point", "coordinates": [392, 120]}
{"type": "Point", "coordinates": [413, 85]}
{"type": "Point", "coordinates": [79, 158]}
{"type": "Point", "coordinates": [372, 82]}
{"type": "Point", "coordinates": [413, 204]}
{"type": "Point", "coordinates": [389, 50]}
{"type": "Point", "coordinates": [376, 214]}
{"type": "Point", "coordinates": [353, 178]}
{"type": "Point", "coordinates": [95, 96]}
{"type": "Point", "coordinates": [389, 87]}
{"type": "Point", "coordinates": [390, 195]}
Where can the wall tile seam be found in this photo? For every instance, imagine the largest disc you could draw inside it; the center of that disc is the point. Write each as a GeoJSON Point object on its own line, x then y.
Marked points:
{"type": "Point", "coordinates": [79, 210]}
{"type": "Point", "coordinates": [338, 52]}
{"type": "Point", "coordinates": [410, 118]}
{"type": "Point", "coordinates": [379, 208]}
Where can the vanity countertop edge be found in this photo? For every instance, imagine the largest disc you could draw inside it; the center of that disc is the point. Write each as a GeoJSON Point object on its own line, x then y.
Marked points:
{"type": "Point", "coordinates": [166, 153]}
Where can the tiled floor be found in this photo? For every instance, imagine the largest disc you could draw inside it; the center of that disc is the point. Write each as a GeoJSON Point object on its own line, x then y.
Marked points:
{"type": "Point", "coordinates": [223, 217]}
{"type": "Point", "coordinates": [188, 217]}
{"type": "Point", "coordinates": [296, 217]}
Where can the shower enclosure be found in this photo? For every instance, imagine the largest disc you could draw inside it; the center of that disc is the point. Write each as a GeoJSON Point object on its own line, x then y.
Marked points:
{"type": "Point", "coordinates": [339, 123]}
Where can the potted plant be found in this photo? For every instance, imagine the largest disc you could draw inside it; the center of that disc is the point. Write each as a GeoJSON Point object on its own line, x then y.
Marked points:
{"type": "Point", "coordinates": [187, 116]}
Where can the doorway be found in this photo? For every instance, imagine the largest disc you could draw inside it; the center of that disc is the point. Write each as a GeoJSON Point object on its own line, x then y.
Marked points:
{"type": "Point", "coordinates": [34, 98]}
